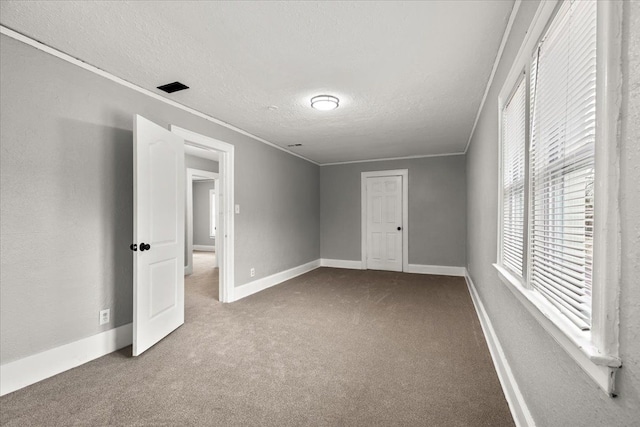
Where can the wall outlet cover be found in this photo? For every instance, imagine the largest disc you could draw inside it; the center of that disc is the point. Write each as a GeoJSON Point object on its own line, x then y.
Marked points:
{"type": "Point", "coordinates": [105, 316]}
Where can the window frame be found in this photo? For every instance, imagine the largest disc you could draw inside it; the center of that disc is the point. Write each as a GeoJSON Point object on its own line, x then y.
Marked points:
{"type": "Point", "coordinates": [503, 101]}
{"type": "Point", "coordinates": [596, 351]}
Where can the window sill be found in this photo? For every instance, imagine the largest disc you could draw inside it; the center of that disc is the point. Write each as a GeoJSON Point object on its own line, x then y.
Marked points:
{"type": "Point", "coordinates": [601, 368]}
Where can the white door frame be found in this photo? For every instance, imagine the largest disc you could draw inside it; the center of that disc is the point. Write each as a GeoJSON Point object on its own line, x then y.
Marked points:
{"type": "Point", "coordinates": [226, 176]}
{"type": "Point", "coordinates": [213, 211]}
{"type": "Point", "coordinates": [191, 172]}
{"type": "Point", "coordinates": [404, 173]}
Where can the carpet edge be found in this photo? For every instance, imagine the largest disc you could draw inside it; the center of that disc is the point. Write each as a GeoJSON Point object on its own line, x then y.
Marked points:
{"type": "Point", "coordinates": [263, 283]}
{"type": "Point", "coordinates": [517, 404]}
{"type": "Point", "coordinates": [35, 368]}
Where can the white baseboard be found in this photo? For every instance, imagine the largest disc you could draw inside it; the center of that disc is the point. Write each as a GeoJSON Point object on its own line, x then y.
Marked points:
{"type": "Point", "coordinates": [341, 263]}
{"type": "Point", "coordinates": [442, 270]}
{"type": "Point", "coordinates": [275, 279]}
{"type": "Point", "coordinates": [206, 248]}
{"type": "Point", "coordinates": [21, 373]}
{"type": "Point", "coordinates": [518, 406]}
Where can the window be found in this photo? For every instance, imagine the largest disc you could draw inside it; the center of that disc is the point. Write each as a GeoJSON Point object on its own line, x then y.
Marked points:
{"type": "Point", "coordinates": [513, 147]}
{"type": "Point", "coordinates": [558, 198]}
{"type": "Point", "coordinates": [562, 152]}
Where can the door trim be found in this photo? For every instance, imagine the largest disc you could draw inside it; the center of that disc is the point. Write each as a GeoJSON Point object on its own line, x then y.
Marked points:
{"type": "Point", "coordinates": [191, 172]}
{"type": "Point", "coordinates": [404, 173]}
{"type": "Point", "coordinates": [227, 187]}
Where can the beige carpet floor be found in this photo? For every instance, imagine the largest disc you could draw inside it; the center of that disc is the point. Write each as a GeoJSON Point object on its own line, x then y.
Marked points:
{"type": "Point", "coordinates": [329, 348]}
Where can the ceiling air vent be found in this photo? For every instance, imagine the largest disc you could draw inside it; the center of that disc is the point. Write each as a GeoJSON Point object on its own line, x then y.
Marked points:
{"type": "Point", "coordinates": [173, 87]}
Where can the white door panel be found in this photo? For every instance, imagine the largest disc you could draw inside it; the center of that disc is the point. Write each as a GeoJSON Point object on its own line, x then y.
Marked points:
{"type": "Point", "coordinates": [384, 223]}
{"type": "Point", "coordinates": [218, 214]}
{"type": "Point", "coordinates": [158, 290]}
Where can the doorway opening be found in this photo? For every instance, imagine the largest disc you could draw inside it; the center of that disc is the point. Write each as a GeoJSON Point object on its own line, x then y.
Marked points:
{"type": "Point", "coordinates": [201, 208]}
{"type": "Point", "coordinates": [385, 220]}
{"type": "Point", "coordinates": [204, 147]}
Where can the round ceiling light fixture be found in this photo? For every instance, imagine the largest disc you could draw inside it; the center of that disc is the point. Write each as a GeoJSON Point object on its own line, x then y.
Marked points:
{"type": "Point", "coordinates": [324, 102]}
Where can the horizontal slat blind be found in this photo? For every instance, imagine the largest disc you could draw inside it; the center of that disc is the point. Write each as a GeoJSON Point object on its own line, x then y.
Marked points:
{"type": "Point", "coordinates": [563, 119]}
{"type": "Point", "coordinates": [513, 146]}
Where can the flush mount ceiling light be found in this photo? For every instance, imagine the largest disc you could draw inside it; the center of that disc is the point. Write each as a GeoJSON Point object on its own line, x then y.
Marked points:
{"type": "Point", "coordinates": [324, 102]}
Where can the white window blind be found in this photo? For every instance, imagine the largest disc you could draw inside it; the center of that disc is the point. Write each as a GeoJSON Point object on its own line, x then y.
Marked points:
{"type": "Point", "coordinates": [563, 118]}
{"type": "Point", "coordinates": [513, 180]}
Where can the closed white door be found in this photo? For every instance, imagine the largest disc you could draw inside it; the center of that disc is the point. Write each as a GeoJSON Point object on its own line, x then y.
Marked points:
{"type": "Point", "coordinates": [158, 233]}
{"type": "Point", "coordinates": [384, 223]}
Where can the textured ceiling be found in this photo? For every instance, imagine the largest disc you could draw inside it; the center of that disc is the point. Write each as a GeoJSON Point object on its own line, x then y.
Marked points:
{"type": "Point", "coordinates": [410, 75]}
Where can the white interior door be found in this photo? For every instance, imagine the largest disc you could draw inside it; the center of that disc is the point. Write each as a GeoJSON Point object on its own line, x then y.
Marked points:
{"type": "Point", "coordinates": [221, 231]}
{"type": "Point", "coordinates": [158, 231]}
{"type": "Point", "coordinates": [384, 223]}
{"type": "Point", "coordinates": [216, 189]}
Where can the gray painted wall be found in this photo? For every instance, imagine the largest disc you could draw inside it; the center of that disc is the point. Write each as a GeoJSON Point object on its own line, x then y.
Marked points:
{"type": "Point", "coordinates": [201, 213]}
{"type": "Point", "coordinates": [558, 392]}
{"type": "Point", "coordinates": [194, 162]}
{"type": "Point", "coordinates": [437, 213]}
{"type": "Point", "coordinates": [66, 192]}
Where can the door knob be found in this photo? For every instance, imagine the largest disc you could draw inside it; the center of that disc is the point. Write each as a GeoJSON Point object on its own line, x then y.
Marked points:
{"type": "Point", "coordinates": [144, 247]}
{"type": "Point", "coordinates": [133, 247]}
{"type": "Point", "coordinates": [399, 228]}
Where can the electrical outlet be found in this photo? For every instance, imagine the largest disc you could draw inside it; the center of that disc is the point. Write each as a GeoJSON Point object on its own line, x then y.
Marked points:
{"type": "Point", "coordinates": [105, 315]}
{"type": "Point", "coordinates": [252, 272]}
{"type": "Point", "coordinates": [237, 209]}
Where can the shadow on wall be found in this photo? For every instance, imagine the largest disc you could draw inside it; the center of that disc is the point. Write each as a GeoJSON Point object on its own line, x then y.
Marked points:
{"type": "Point", "coordinates": [96, 173]}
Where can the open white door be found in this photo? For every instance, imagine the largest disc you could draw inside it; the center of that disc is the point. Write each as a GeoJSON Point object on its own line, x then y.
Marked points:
{"type": "Point", "coordinates": [158, 232]}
